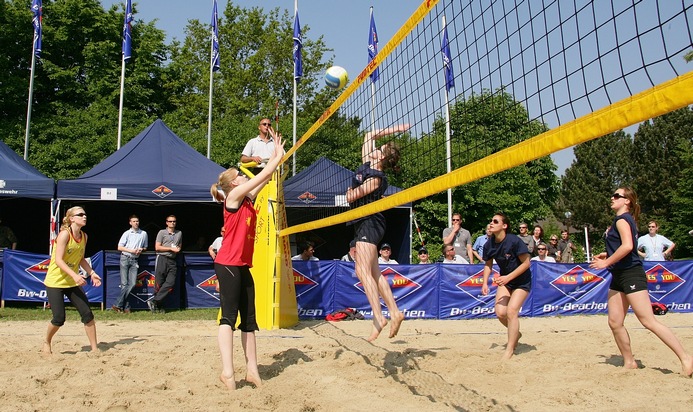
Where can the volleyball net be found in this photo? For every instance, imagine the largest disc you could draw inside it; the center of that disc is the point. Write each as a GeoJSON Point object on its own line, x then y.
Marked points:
{"type": "Point", "coordinates": [530, 78]}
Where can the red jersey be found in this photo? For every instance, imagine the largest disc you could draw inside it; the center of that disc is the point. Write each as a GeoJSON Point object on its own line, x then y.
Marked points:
{"type": "Point", "coordinates": [239, 237]}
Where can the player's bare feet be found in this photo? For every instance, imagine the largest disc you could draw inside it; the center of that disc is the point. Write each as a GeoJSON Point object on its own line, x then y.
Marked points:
{"type": "Point", "coordinates": [630, 365]}
{"type": "Point", "coordinates": [507, 354]}
{"type": "Point", "coordinates": [377, 328]}
{"type": "Point", "coordinates": [396, 319]}
{"type": "Point", "coordinates": [229, 382]}
{"type": "Point", "coordinates": [687, 365]}
{"type": "Point", "coordinates": [46, 349]}
{"type": "Point", "coordinates": [254, 379]}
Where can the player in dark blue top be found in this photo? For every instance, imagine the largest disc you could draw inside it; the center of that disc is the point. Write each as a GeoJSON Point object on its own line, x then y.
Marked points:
{"type": "Point", "coordinates": [629, 283]}
{"type": "Point", "coordinates": [515, 280]}
{"type": "Point", "coordinates": [368, 185]}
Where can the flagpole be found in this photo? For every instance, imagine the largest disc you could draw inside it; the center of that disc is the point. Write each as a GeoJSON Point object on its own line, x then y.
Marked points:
{"type": "Point", "coordinates": [211, 83]}
{"type": "Point", "coordinates": [126, 54]}
{"type": "Point", "coordinates": [447, 142]}
{"type": "Point", "coordinates": [37, 22]}
{"type": "Point", "coordinates": [30, 102]}
{"type": "Point", "coordinates": [295, 97]}
{"type": "Point", "coordinates": [372, 80]}
{"type": "Point", "coordinates": [122, 91]}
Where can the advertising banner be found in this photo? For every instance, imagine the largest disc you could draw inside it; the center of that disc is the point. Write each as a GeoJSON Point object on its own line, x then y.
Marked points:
{"type": "Point", "coordinates": [460, 292]}
{"type": "Point", "coordinates": [25, 272]}
{"type": "Point", "coordinates": [315, 286]}
{"type": "Point", "coordinates": [200, 281]}
{"type": "Point", "coordinates": [413, 287]}
{"type": "Point", "coordinates": [568, 289]}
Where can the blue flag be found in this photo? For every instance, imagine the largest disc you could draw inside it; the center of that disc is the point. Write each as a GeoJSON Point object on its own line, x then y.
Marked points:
{"type": "Point", "coordinates": [37, 21]}
{"type": "Point", "coordinates": [298, 45]}
{"type": "Point", "coordinates": [447, 61]}
{"type": "Point", "coordinates": [373, 46]}
{"type": "Point", "coordinates": [127, 31]}
{"type": "Point", "coordinates": [216, 65]}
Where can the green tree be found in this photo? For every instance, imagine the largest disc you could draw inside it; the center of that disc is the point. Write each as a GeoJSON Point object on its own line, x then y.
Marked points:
{"type": "Point", "coordinates": [600, 166]}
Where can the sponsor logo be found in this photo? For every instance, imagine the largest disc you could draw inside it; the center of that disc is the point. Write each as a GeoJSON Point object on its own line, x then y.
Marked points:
{"type": "Point", "coordinates": [145, 286]}
{"type": "Point", "coordinates": [661, 282]}
{"type": "Point", "coordinates": [401, 285]}
{"type": "Point", "coordinates": [303, 283]}
{"type": "Point", "coordinates": [2, 184]}
{"type": "Point", "coordinates": [472, 285]}
{"type": "Point", "coordinates": [39, 270]}
{"type": "Point", "coordinates": [209, 286]}
{"type": "Point", "coordinates": [576, 282]}
{"type": "Point", "coordinates": [307, 197]}
{"type": "Point", "coordinates": [162, 191]}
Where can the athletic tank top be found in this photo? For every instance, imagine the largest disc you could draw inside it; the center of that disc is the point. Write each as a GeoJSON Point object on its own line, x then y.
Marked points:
{"type": "Point", "coordinates": [613, 241]}
{"type": "Point", "coordinates": [74, 252]}
{"type": "Point", "coordinates": [238, 242]}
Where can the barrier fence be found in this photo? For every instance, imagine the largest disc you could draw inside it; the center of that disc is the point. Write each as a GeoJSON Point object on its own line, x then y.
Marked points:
{"type": "Point", "coordinates": [435, 291]}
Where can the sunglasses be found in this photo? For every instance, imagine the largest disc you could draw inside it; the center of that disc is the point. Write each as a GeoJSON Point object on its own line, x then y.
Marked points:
{"type": "Point", "coordinates": [523, 227]}
{"type": "Point", "coordinates": [617, 196]}
{"type": "Point", "coordinates": [266, 124]}
{"type": "Point", "coordinates": [455, 220]}
{"type": "Point", "coordinates": [495, 221]}
{"type": "Point", "coordinates": [80, 214]}
{"type": "Point", "coordinates": [170, 221]}
{"type": "Point", "coordinates": [423, 253]}
{"type": "Point", "coordinates": [541, 248]}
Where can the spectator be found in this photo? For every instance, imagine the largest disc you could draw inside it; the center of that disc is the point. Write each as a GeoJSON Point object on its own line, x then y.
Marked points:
{"type": "Point", "coordinates": [385, 253]}
{"type": "Point", "coordinates": [168, 243]}
{"type": "Point", "coordinates": [307, 249]}
{"type": "Point", "coordinates": [537, 237]}
{"type": "Point", "coordinates": [542, 255]}
{"type": "Point", "coordinates": [351, 255]}
{"type": "Point", "coordinates": [526, 237]}
{"type": "Point", "coordinates": [459, 237]}
{"type": "Point", "coordinates": [478, 247]}
{"type": "Point", "coordinates": [7, 238]}
{"type": "Point", "coordinates": [654, 247]}
{"type": "Point", "coordinates": [449, 256]}
{"type": "Point", "coordinates": [552, 247]}
{"type": "Point", "coordinates": [423, 256]}
{"type": "Point", "coordinates": [260, 148]}
{"type": "Point", "coordinates": [132, 243]}
{"type": "Point", "coordinates": [566, 248]}
{"type": "Point", "coordinates": [213, 249]}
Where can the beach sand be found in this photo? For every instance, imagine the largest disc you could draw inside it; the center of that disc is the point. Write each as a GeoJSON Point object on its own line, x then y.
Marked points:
{"type": "Point", "coordinates": [562, 364]}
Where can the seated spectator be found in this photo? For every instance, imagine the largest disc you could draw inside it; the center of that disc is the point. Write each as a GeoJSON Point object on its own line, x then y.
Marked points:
{"type": "Point", "coordinates": [213, 249]}
{"type": "Point", "coordinates": [542, 255]}
{"type": "Point", "coordinates": [7, 238]}
{"type": "Point", "coordinates": [423, 256]}
{"type": "Point", "coordinates": [351, 255]}
{"type": "Point", "coordinates": [385, 253]}
{"type": "Point", "coordinates": [654, 247]}
{"type": "Point", "coordinates": [449, 256]}
{"type": "Point", "coordinates": [307, 249]}
{"type": "Point", "coordinates": [552, 247]}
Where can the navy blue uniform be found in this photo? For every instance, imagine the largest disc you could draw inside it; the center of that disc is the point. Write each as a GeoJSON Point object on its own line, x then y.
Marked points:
{"type": "Point", "coordinates": [506, 254]}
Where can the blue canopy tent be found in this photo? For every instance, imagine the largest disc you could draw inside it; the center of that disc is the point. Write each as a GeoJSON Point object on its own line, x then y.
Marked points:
{"type": "Point", "coordinates": [155, 174]}
{"type": "Point", "coordinates": [25, 195]}
{"type": "Point", "coordinates": [322, 186]}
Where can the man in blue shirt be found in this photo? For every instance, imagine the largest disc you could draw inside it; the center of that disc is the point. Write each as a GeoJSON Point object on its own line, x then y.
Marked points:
{"type": "Point", "coordinates": [132, 243]}
{"type": "Point", "coordinates": [478, 247]}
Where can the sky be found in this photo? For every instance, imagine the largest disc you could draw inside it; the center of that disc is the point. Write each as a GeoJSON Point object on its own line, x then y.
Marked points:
{"type": "Point", "coordinates": [343, 24]}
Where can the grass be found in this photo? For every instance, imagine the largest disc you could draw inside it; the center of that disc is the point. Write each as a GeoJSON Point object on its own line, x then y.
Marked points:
{"type": "Point", "coordinates": [35, 311]}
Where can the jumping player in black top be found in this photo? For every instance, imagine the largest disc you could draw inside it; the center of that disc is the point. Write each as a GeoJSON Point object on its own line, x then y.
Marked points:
{"type": "Point", "coordinates": [368, 185]}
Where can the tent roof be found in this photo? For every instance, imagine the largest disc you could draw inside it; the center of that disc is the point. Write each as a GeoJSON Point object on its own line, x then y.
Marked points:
{"type": "Point", "coordinates": [20, 179]}
{"type": "Point", "coordinates": [156, 165]}
{"type": "Point", "coordinates": [323, 183]}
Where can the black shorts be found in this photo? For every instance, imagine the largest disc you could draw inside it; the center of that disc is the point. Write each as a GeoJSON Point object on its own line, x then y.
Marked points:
{"type": "Point", "coordinates": [628, 280]}
{"type": "Point", "coordinates": [524, 282]}
{"type": "Point", "coordinates": [236, 295]}
{"type": "Point", "coordinates": [370, 229]}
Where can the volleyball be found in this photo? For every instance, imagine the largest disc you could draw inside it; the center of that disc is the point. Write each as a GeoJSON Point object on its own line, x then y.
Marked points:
{"type": "Point", "coordinates": [336, 77]}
